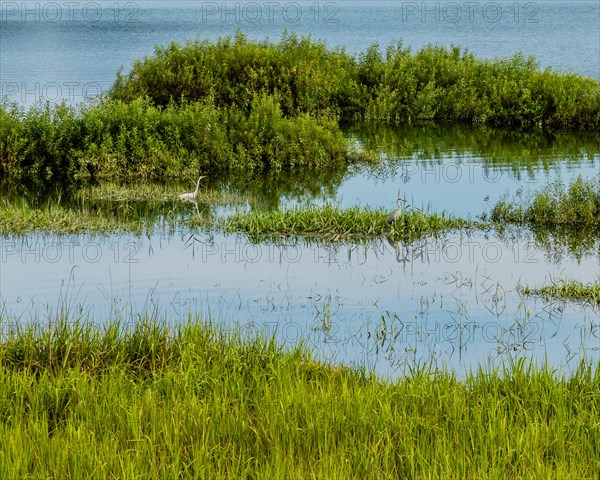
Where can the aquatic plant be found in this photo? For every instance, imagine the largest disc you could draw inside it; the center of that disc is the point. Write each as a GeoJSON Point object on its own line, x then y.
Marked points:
{"type": "Point", "coordinates": [89, 215]}
{"type": "Point", "coordinates": [332, 224]}
{"type": "Point", "coordinates": [567, 289]}
{"type": "Point", "coordinates": [574, 206]}
{"type": "Point", "coordinates": [153, 400]}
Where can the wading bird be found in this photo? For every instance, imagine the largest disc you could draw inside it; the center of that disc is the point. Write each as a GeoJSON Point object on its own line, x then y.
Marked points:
{"type": "Point", "coordinates": [396, 214]}
{"type": "Point", "coordinates": [192, 195]}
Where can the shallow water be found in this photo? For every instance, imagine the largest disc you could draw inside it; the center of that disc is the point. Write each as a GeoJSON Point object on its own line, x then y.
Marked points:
{"type": "Point", "coordinates": [462, 171]}
{"type": "Point", "coordinates": [452, 301]}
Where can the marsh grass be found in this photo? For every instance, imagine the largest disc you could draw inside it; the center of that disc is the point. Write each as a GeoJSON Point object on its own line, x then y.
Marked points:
{"type": "Point", "coordinates": [332, 224]}
{"type": "Point", "coordinates": [103, 217]}
{"type": "Point", "coordinates": [150, 400]}
{"type": "Point", "coordinates": [569, 290]}
{"type": "Point", "coordinates": [574, 206]}
{"type": "Point", "coordinates": [17, 218]}
{"type": "Point", "coordinates": [110, 208]}
{"type": "Point", "coordinates": [161, 194]}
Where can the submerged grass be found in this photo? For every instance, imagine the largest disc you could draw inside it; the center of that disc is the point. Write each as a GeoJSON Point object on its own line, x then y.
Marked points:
{"type": "Point", "coordinates": [154, 401]}
{"type": "Point", "coordinates": [99, 217]}
{"type": "Point", "coordinates": [20, 218]}
{"type": "Point", "coordinates": [574, 206]}
{"type": "Point", "coordinates": [160, 193]}
{"type": "Point", "coordinates": [112, 208]}
{"type": "Point", "coordinates": [332, 224]}
{"type": "Point", "coordinates": [568, 289]}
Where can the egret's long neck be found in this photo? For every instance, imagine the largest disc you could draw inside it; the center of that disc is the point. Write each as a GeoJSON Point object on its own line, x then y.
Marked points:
{"type": "Point", "coordinates": [198, 184]}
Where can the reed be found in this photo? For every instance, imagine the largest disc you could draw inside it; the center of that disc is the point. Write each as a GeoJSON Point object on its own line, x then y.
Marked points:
{"type": "Point", "coordinates": [569, 290]}
{"type": "Point", "coordinates": [574, 206]}
{"type": "Point", "coordinates": [152, 400]}
{"type": "Point", "coordinates": [331, 224]}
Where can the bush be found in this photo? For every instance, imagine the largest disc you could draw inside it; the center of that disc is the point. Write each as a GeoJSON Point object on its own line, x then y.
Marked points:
{"type": "Point", "coordinates": [305, 77]}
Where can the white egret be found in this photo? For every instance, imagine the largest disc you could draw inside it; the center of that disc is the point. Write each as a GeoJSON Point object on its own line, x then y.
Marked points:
{"type": "Point", "coordinates": [192, 195]}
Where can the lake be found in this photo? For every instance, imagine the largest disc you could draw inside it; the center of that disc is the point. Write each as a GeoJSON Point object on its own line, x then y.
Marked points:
{"type": "Point", "coordinates": [69, 51]}
{"type": "Point", "coordinates": [452, 301]}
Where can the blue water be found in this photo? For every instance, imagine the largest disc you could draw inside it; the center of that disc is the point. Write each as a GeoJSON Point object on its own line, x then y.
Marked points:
{"type": "Point", "coordinates": [464, 184]}
{"type": "Point", "coordinates": [454, 301]}
{"type": "Point", "coordinates": [72, 50]}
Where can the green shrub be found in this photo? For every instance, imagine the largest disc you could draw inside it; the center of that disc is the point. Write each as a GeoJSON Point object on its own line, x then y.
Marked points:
{"type": "Point", "coordinates": [575, 206]}
{"type": "Point", "coordinates": [435, 83]}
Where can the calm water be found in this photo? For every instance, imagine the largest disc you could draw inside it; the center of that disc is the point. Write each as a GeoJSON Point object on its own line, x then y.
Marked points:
{"type": "Point", "coordinates": [71, 50]}
{"type": "Point", "coordinates": [454, 301]}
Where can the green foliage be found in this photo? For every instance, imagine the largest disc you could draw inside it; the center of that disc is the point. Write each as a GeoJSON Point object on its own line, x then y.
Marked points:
{"type": "Point", "coordinates": [149, 400]}
{"type": "Point", "coordinates": [398, 86]}
{"type": "Point", "coordinates": [135, 141]}
{"type": "Point", "coordinates": [243, 106]}
{"type": "Point", "coordinates": [571, 290]}
{"type": "Point", "coordinates": [303, 75]}
{"type": "Point", "coordinates": [575, 206]}
{"type": "Point", "coordinates": [331, 224]}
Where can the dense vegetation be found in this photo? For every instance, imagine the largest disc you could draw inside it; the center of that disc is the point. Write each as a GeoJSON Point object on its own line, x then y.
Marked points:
{"type": "Point", "coordinates": [332, 224]}
{"type": "Point", "coordinates": [137, 140]}
{"type": "Point", "coordinates": [238, 106]}
{"type": "Point", "coordinates": [153, 401]}
{"type": "Point", "coordinates": [575, 206]}
{"type": "Point", "coordinates": [306, 77]}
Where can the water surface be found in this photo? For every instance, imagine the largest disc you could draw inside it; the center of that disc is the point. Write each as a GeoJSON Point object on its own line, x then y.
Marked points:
{"type": "Point", "coordinates": [453, 301]}
{"type": "Point", "coordinates": [72, 50]}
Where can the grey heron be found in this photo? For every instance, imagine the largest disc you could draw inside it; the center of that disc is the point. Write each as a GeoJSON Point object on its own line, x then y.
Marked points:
{"type": "Point", "coordinates": [397, 246]}
{"type": "Point", "coordinates": [397, 213]}
{"type": "Point", "coordinates": [192, 195]}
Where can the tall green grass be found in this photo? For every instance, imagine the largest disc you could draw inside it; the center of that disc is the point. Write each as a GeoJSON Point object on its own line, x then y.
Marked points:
{"type": "Point", "coordinates": [574, 206]}
{"type": "Point", "coordinates": [396, 85]}
{"type": "Point", "coordinates": [331, 224]}
{"type": "Point", "coordinates": [155, 401]}
{"type": "Point", "coordinates": [568, 289]}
